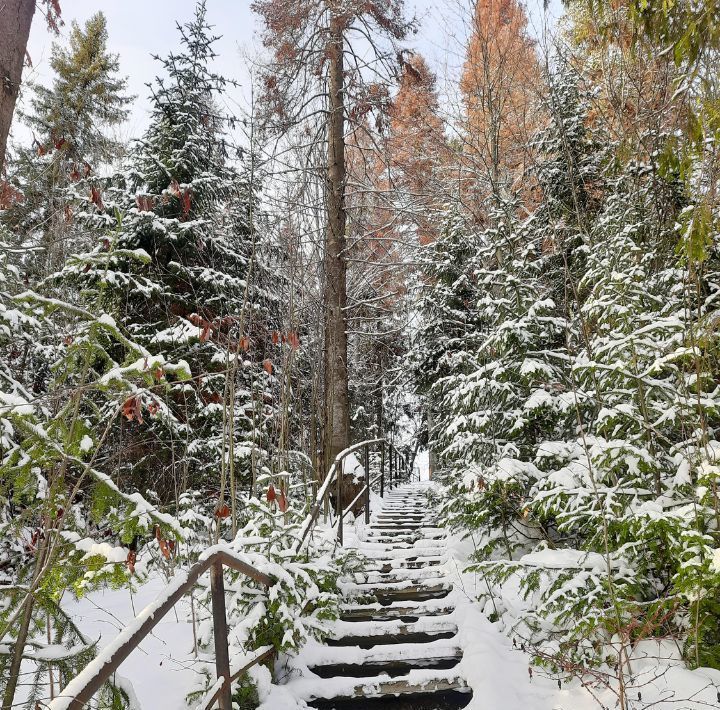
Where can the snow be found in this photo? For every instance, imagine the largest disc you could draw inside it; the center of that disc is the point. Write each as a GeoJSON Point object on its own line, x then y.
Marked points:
{"type": "Point", "coordinates": [564, 559]}
{"type": "Point", "coordinates": [716, 560]}
{"type": "Point", "coordinates": [14, 404]}
{"type": "Point", "coordinates": [163, 669]}
{"type": "Point", "coordinates": [96, 549]}
{"type": "Point", "coordinates": [497, 670]}
{"type": "Point", "coordinates": [112, 647]}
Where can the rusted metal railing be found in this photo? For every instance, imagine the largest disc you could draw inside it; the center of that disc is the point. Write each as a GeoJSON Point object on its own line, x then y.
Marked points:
{"type": "Point", "coordinates": [80, 690]}
{"type": "Point", "coordinates": [394, 469]}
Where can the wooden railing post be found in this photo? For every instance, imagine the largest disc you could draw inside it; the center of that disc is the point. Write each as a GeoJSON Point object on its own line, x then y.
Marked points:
{"type": "Point", "coordinates": [367, 485]}
{"type": "Point", "coordinates": [222, 660]}
{"type": "Point", "coordinates": [339, 471]}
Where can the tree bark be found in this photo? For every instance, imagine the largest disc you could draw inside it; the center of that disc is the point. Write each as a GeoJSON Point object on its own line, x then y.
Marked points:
{"type": "Point", "coordinates": [432, 456]}
{"type": "Point", "coordinates": [15, 20]}
{"type": "Point", "coordinates": [337, 401]}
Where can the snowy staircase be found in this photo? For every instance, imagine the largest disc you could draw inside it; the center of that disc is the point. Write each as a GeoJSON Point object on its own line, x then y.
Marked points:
{"type": "Point", "coordinates": [394, 646]}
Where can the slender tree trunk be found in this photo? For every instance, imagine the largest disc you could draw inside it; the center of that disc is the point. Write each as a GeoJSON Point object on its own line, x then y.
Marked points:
{"type": "Point", "coordinates": [337, 404]}
{"type": "Point", "coordinates": [15, 20]}
{"type": "Point", "coordinates": [432, 456]}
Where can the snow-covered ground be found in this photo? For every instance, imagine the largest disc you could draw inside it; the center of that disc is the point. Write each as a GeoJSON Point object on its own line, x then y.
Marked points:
{"type": "Point", "coordinates": [164, 669]}
{"type": "Point", "coordinates": [498, 672]}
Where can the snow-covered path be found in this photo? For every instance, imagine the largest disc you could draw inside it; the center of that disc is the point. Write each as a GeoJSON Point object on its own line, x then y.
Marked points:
{"type": "Point", "coordinates": [395, 645]}
{"type": "Point", "coordinates": [411, 625]}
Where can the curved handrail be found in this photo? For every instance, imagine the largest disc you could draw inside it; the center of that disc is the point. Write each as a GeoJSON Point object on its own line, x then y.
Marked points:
{"type": "Point", "coordinates": [83, 686]}
{"type": "Point", "coordinates": [311, 517]}
{"type": "Point", "coordinates": [324, 490]}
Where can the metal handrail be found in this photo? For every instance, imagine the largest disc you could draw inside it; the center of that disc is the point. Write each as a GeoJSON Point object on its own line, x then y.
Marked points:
{"type": "Point", "coordinates": [394, 459]}
{"type": "Point", "coordinates": [80, 690]}
{"type": "Point", "coordinates": [82, 687]}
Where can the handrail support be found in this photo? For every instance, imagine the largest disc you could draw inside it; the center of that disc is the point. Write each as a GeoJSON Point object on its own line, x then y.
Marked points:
{"type": "Point", "coordinates": [222, 658]}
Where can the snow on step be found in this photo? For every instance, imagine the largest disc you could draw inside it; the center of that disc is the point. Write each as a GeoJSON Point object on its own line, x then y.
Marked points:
{"type": "Point", "coordinates": [418, 680]}
{"type": "Point", "coordinates": [430, 624]}
{"type": "Point", "coordinates": [401, 643]}
{"type": "Point", "coordinates": [376, 576]}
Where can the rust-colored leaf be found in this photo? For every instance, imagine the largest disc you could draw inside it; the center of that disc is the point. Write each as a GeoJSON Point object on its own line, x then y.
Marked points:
{"type": "Point", "coordinates": [293, 339]}
{"type": "Point", "coordinates": [132, 409]}
{"type": "Point", "coordinates": [130, 562]}
{"type": "Point", "coordinates": [282, 501]}
{"type": "Point", "coordinates": [96, 198]}
{"type": "Point", "coordinates": [145, 203]}
{"type": "Point", "coordinates": [186, 203]}
{"type": "Point", "coordinates": [9, 195]}
{"type": "Point", "coordinates": [222, 511]}
{"type": "Point", "coordinates": [162, 542]}
{"type": "Point", "coordinates": [271, 494]}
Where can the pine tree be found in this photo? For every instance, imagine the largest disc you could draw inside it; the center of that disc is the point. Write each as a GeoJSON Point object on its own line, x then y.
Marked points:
{"type": "Point", "coordinates": [513, 394]}
{"type": "Point", "coordinates": [447, 323]}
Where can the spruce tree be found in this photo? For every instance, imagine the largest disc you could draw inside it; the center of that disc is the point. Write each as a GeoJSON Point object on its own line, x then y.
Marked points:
{"type": "Point", "coordinates": [71, 122]}
{"type": "Point", "coordinates": [178, 259]}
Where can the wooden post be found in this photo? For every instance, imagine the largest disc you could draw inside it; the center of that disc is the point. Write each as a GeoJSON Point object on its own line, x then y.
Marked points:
{"type": "Point", "coordinates": [367, 484]}
{"type": "Point", "coordinates": [339, 475]}
{"type": "Point", "coordinates": [222, 660]}
{"type": "Point", "coordinates": [382, 469]}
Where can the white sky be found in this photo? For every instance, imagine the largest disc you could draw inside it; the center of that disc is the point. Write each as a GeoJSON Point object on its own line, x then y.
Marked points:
{"type": "Point", "coordinates": [139, 28]}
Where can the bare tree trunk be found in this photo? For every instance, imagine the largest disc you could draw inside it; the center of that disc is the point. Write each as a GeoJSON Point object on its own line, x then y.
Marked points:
{"type": "Point", "coordinates": [15, 20]}
{"type": "Point", "coordinates": [337, 402]}
{"type": "Point", "coordinates": [432, 456]}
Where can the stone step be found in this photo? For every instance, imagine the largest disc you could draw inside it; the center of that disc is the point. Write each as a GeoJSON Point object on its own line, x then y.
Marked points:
{"type": "Point", "coordinates": [412, 563]}
{"type": "Point", "coordinates": [403, 524]}
{"type": "Point", "coordinates": [406, 536]}
{"type": "Point", "coordinates": [359, 615]}
{"type": "Point", "coordinates": [393, 575]}
{"type": "Point", "coordinates": [407, 611]}
{"type": "Point", "coordinates": [420, 593]}
{"type": "Point", "coordinates": [404, 686]}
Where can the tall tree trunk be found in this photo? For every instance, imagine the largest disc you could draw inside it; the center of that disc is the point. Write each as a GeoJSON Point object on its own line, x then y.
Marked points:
{"type": "Point", "coordinates": [15, 20]}
{"type": "Point", "coordinates": [432, 455]}
{"type": "Point", "coordinates": [337, 402]}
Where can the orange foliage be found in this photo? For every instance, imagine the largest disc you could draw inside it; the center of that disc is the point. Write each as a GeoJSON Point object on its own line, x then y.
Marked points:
{"type": "Point", "coordinates": [417, 141]}
{"type": "Point", "coordinates": [500, 84]}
